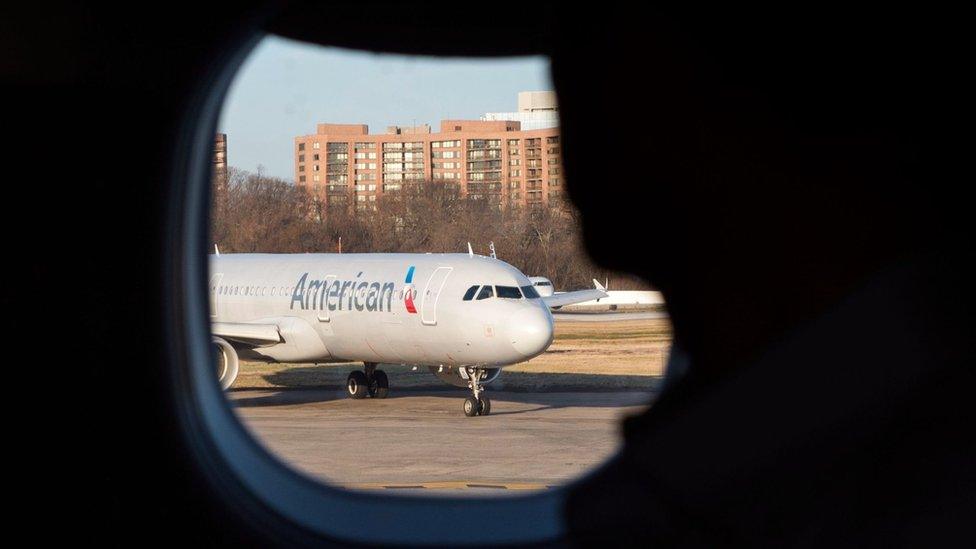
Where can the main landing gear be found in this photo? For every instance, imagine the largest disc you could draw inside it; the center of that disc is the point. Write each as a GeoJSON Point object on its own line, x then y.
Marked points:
{"type": "Point", "coordinates": [478, 404]}
{"type": "Point", "coordinates": [369, 382]}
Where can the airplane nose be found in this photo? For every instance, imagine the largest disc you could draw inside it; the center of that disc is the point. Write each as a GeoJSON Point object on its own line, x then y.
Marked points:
{"type": "Point", "coordinates": [530, 331]}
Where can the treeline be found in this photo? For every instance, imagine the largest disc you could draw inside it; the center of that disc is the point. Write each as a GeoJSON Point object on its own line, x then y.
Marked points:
{"type": "Point", "coordinates": [256, 213]}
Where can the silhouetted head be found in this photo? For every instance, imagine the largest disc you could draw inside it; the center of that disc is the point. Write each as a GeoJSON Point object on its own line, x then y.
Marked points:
{"type": "Point", "coordinates": [754, 171]}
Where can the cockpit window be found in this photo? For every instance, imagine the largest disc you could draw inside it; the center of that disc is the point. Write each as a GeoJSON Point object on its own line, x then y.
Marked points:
{"type": "Point", "coordinates": [543, 283]}
{"type": "Point", "coordinates": [530, 292]}
{"type": "Point", "coordinates": [470, 293]}
{"type": "Point", "coordinates": [508, 292]}
{"type": "Point", "coordinates": [485, 293]}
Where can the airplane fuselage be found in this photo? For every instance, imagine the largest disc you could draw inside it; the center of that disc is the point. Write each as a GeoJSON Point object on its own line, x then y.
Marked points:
{"type": "Point", "coordinates": [386, 308]}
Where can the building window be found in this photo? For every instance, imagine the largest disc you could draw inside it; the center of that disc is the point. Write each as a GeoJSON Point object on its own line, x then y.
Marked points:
{"type": "Point", "coordinates": [301, 146]}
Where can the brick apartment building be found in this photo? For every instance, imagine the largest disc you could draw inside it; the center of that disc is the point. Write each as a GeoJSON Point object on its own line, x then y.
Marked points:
{"type": "Point", "coordinates": [345, 166]}
{"type": "Point", "coordinates": [220, 162]}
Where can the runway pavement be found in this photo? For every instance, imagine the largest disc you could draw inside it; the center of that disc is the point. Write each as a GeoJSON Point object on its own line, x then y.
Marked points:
{"type": "Point", "coordinates": [420, 440]}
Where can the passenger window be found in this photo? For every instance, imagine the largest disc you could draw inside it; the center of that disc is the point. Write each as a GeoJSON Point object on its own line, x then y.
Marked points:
{"type": "Point", "coordinates": [508, 292]}
{"type": "Point", "coordinates": [485, 293]}
{"type": "Point", "coordinates": [530, 292]}
{"type": "Point", "coordinates": [372, 184]}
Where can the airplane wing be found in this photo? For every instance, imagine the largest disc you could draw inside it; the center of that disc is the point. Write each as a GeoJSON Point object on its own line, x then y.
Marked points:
{"type": "Point", "coordinates": [561, 299]}
{"type": "Point", "coordinates": [248, 334]}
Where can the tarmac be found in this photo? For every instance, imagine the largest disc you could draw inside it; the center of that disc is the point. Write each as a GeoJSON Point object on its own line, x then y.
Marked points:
{"type": "Point", "coordinates": [419, 440]}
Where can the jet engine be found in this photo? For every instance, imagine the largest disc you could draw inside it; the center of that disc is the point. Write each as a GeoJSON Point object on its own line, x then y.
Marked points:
{"type": "Point", "coordinates": [458, 376]}
{"type": "Point", "coordinates": [228, 364]}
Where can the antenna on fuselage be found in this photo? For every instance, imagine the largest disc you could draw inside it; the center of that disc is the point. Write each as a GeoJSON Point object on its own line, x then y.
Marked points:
{"type": "Point", "coordinates": [216, 249]}
{"type": "Point", "coordinates": [491, 246]}
{"type": "Point", "coordinates": [470, 251]}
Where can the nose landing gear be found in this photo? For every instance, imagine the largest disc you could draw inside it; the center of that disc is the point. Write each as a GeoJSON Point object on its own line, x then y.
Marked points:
{"type": "Point", "coordinates": [369, 382]}
{"type": "Point", "coordinates": [479, 404]}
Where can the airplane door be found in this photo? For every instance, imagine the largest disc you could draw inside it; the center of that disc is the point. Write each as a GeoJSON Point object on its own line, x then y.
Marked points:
{"type": "Point", "coordinates": [214, 287]}
{"type": "Point", "coordinates": [428, 304]}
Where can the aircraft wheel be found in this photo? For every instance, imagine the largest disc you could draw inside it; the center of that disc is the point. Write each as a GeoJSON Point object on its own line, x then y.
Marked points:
{"type": "Point", "coordinates": [484, 406]}
{"type": "Point", "coordinates": [381, 384]}
{"type": "Point", "coordinates": [356, 385]}
{"type": "Point", "coordinates": [471, 406]}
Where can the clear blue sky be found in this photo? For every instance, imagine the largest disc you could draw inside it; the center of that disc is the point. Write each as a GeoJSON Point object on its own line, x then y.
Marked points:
{"type": "Point", "coordinates": [285, 88]}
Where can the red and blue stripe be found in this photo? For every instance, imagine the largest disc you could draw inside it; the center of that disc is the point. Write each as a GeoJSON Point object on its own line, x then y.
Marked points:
{"type": "Point", "coordinates": [408, 291]}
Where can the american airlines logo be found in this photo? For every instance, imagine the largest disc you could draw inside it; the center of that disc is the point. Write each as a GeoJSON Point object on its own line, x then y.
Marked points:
{"type": "Point", "coordinates": [339, 295]}
{"type": "Point", "coordinates": [350, 295]}
{"type": "Point", "coordinates": [409, 291]}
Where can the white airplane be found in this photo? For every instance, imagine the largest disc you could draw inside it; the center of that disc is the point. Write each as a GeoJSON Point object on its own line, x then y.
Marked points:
{"type": "Point", "coordinates": [543, 286]}
{"type": "Point", "coordinates": [464, 316]}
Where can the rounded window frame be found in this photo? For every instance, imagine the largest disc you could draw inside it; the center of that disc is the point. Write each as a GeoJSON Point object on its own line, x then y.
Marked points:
{"type": "Point", "coordinates": [227, 454]}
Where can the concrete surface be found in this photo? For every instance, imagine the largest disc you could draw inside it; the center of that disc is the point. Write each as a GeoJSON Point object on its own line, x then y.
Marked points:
{"type": "Point", "coordinates": [420, 439]}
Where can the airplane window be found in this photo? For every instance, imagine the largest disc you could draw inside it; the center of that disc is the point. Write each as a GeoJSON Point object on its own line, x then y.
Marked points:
{"type": "Point", "coordinates": [334, 362]}
{"type": "Point", "coordinates": [508, 292]}
{"type": "Point", "coordinates": [486, 292]}
{"type": "Point", "coordinates": [530, 292]}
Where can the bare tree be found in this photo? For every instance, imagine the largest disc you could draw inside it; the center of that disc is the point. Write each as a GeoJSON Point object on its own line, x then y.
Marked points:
{"type": "Point", "coordinates": [257, 213]}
